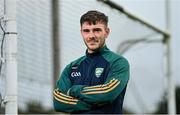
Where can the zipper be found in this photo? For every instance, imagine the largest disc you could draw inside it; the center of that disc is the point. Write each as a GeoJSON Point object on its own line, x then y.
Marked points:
{"type": "Point", "coordinates": [89, 73]}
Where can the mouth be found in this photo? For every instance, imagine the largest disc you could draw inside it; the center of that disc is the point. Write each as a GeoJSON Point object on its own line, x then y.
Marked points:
{"type": "Point", "coordinates": [92, 41]}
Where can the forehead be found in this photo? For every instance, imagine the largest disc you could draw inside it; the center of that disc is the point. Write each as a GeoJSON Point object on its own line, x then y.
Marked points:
{"type": "Point", "coordinates": [91, 25]}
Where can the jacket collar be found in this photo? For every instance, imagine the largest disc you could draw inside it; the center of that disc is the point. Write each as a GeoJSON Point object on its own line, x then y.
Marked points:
{"type": "Point", "coordinates": [101, 51]}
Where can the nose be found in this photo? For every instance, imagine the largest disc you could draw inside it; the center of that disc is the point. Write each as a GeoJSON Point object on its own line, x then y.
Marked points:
{"type": "Point", "coordinates": [91, 34]}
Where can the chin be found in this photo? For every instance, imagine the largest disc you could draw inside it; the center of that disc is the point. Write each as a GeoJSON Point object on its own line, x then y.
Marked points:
{"type": "Point", "coordinates": [93, 48]}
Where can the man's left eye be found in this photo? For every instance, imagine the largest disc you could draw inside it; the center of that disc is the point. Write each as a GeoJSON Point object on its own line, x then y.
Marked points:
{"type": "Point", "coordinates": [97, 30]}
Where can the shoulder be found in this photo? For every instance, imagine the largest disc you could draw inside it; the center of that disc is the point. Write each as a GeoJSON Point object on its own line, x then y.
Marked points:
{"type": "Point", "coordinates": [74, 63]}
{"type": "Point", "coordinates": [114, 58]}
{"type": "Point", "coordinates": [77, 61]}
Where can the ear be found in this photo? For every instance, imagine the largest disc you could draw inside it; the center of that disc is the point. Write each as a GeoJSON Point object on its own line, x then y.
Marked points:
{"type": "Point", "coordinates": [107, 31]}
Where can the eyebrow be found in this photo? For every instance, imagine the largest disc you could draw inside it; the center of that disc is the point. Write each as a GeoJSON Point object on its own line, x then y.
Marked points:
{"type": "Point", "coordinates": [94, 29]}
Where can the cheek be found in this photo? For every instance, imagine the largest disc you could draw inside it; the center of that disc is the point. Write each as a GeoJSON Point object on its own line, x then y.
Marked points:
{"type": "Point", "coordinates": [105, 35]}
{"type": "Point", "coordinates": [85, 38]}
{"type": "Point", "coordinates": [101, 41]}
{"type": "Point", "coordinates": [85, 35]}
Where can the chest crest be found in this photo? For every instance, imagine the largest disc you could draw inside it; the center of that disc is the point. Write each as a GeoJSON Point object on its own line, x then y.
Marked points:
{"type": "Point", "coordinates": [98, 71]}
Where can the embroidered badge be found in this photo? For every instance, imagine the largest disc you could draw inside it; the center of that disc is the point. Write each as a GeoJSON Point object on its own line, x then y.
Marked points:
{"type": "Point", "coordinates": [98, 72]}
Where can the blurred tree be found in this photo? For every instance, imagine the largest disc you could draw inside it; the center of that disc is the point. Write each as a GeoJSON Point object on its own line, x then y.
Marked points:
{"type": "Point", "coordinates": [162, 105]}
{"type": "Point", "coordinates": [178, 100]}
{"type": "Point", "coordinates": [127, 111]}
{"type": "Point", "coordinates": [34, 107]}
{"type": "Point", "coordinates": [2, 110]}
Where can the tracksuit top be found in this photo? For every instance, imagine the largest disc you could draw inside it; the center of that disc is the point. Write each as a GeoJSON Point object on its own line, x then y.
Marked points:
{"type": "Point", "coordinates": [94, 83]}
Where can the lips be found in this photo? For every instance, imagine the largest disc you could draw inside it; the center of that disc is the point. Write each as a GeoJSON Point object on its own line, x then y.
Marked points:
{"type": "Point", "coordinates": [92, 41]}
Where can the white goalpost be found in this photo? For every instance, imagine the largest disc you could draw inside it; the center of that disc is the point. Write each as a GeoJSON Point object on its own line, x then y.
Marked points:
{"type": "Point", "coordinates": [10, 100]}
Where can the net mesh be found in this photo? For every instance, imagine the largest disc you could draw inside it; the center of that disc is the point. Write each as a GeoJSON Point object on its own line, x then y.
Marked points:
{"type": "Point", "coordinates": [34, 52]}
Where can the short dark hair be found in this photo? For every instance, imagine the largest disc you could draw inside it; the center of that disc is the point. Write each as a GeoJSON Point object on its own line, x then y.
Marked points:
{"type": "Point", "coordinates": [94, 16]}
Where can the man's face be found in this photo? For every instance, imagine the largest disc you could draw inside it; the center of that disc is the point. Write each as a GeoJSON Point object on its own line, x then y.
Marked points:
{"type": "Point", "coordinates": [94, 35]}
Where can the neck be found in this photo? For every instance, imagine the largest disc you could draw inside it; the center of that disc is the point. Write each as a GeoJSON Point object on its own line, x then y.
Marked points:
{"type": "Point", "coordinates": [93, 51]}
{"type": "Point", "coordinates": [90, 51]}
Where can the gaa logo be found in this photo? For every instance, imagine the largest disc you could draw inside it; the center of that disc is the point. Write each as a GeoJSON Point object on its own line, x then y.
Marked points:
{"type": "Point", "coordinates": [75, 74]}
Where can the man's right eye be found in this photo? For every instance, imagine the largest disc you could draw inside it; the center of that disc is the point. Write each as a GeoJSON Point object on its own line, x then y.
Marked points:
{"type": "Point", "coordinates": [85, 30]}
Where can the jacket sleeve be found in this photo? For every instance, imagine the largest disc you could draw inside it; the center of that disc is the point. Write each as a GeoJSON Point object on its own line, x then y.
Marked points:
{"type": "Point", "coordinates": [115, 83]}
{"type": "Point", "coordinates": [62, 102]}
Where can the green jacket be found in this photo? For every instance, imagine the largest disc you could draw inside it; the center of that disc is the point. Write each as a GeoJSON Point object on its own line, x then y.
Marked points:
{"type": "Point", "coordinates": [94, 83]}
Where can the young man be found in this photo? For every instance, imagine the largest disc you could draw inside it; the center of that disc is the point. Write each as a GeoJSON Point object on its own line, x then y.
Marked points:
{"type": "Point", "coordinates": [96, 82]}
